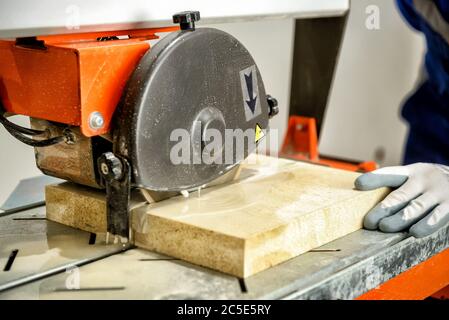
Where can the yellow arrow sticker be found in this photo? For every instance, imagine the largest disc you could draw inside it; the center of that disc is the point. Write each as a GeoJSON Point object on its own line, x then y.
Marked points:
{"type": "Point", "coordinates": [259, 133]}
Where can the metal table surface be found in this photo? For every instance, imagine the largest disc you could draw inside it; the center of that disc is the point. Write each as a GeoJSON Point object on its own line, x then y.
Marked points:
{"type": "Point", "coordinates": [45, 266]}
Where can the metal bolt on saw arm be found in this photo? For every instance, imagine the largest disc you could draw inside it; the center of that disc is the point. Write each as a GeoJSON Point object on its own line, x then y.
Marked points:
{"type": "Point", "coordinates": [116, 176]}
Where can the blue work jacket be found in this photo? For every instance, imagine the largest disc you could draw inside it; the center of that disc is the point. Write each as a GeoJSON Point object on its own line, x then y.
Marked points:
{"type": "Point", "coordinates": [427, 109]}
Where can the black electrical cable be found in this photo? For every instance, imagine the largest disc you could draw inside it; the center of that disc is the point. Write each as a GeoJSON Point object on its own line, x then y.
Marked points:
{"type": "Point", "coordinates": [18, 132]}
{"type": "Point", "coordinates": [35, 143]}
{"type": "Point", "coordinates": [6, 123]}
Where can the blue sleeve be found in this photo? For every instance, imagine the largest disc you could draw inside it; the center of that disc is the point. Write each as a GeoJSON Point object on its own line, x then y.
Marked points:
{"type": "Point", "coordinates": [408, 12]}
{"type": "Point", "coordinates": [443, 6]}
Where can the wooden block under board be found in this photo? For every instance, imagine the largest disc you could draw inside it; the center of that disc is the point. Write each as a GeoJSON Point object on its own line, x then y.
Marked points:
{"type": "Point", "coordinates": [76, 206]}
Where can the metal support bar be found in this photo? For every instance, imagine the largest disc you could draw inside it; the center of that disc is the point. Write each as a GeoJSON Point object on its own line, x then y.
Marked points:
{"type": "Point", "coordinates": [316, 48]}
{"type": "Point", "coordinates": [116, 176]}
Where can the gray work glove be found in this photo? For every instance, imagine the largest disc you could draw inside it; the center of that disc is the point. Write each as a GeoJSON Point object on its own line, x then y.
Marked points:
{"type": "Point", "coordinates": [421, 201]}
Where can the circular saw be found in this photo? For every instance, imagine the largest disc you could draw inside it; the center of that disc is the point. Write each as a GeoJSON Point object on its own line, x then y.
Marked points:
{"type": "Point", "coordinates": [172, 117]}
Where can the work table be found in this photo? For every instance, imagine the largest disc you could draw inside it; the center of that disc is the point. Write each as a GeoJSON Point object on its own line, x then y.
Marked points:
{"type": "Point", "coordinates": [342, 269]}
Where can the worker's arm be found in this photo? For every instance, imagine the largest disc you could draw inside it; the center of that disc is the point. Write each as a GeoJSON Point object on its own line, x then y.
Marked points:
{"type": "Point", "coordinates": [420, 202]}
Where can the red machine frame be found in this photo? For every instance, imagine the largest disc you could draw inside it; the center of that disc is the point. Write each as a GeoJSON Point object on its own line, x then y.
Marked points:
{"type": "Point", "coordinates": [78, 75]}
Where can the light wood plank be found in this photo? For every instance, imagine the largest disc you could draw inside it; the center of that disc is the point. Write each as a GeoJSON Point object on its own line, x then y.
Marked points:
{"type": "Point", "coordinates": [276, 210]}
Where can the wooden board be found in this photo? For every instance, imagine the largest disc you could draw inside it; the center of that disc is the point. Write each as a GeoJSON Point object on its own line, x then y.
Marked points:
{"type": "Point", "coordinates": [276, 210]}
{"type": "Point", "coordinates": [76, 206]}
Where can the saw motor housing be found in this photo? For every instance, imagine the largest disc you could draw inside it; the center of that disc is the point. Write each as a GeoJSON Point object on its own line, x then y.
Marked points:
{"type": "Point", "coordinates": [103, 106]}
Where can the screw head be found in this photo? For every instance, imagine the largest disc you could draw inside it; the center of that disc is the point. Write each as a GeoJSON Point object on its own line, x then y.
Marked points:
{"type": "Point", "coordinates": [104, 168]}
{"type": "Point", "coordinates": [96, 120]}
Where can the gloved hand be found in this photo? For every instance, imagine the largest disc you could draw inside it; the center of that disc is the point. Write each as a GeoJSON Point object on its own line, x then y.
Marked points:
{"type": "Point", "coordinates": [421, 201]}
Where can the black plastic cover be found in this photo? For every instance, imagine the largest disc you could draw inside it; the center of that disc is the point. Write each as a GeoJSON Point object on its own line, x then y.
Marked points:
{"type": "Point", "coordinates": [204, 75]}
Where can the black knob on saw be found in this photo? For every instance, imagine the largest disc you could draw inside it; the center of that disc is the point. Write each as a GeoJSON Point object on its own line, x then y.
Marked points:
{"type": "Point", "coordinates": [186, 19]}
{"type": "Point", "coordinates": [273, 106]}
{"type": "Point", "coordinates": [110, 166]}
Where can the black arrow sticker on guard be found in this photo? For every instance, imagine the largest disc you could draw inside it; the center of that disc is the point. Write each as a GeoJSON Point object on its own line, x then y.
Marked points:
{"type": "Point", "coordinates": [250, 91]}
{"type": "Point", "coordinates": [252, 100]}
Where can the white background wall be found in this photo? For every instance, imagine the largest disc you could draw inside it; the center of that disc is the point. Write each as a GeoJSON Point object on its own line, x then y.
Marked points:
{"type": "Point", "coordinates": [375, 71]}
{"type": "Point", "coordinates": [16, 161]}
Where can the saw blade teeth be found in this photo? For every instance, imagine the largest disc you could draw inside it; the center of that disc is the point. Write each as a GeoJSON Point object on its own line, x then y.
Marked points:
{"type": "Point", "coordinates": [185, 193]}
{"type": "Point", "coordinates": [116, 239]}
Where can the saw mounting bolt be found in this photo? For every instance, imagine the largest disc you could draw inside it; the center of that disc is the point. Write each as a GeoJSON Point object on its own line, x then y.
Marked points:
{"type": "Point", "coordinates": [111, 166]}
{"type": "Point", "coordinates": [186, 19]}
{"type": "Point", "coordinates": [273, 106]}
{"type": "Point", "coordinates": [69, 136]}
{"type": "Point", "coordinates": [96, 120]}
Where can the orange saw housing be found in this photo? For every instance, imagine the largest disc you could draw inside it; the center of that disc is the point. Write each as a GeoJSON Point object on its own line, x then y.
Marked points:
{"type": "Point", "coordinates": [66, 78]}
